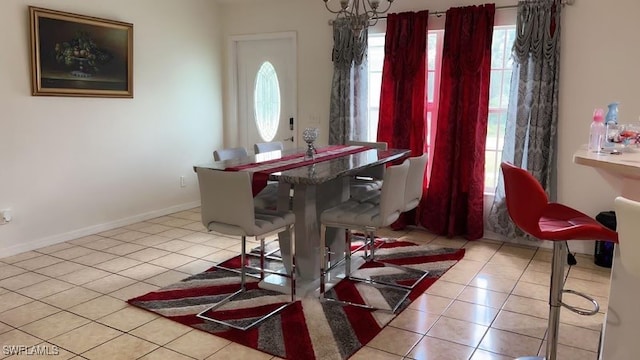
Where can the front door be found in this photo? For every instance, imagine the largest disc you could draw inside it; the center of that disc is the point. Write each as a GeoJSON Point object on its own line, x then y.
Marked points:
{"type": "Point", "coordinates": [266, 88]}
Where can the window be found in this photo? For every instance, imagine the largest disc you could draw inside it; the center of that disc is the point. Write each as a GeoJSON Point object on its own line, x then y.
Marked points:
{"type": "Point", "coordinates": [266, 100]}
{"type": "Point", "coordinates": [375, 59]}
{"type": "Point", "coordinates": [499, 90]}
{"type": "Point", "coordinates": [503, 37]}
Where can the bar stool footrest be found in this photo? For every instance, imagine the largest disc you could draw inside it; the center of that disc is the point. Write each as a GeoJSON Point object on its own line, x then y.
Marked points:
{"type": "Point", "coordinates": [235, 326]}
{"type": "Point", "coordinates": [422, 275]}
{"type": "Point", "coordinates": [578, 310]}
{"type": "Point", "coordinates": [392, 309]}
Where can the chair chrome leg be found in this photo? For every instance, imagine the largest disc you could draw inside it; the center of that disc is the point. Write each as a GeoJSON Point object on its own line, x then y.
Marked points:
{"type": "Point", "coordinates": [323, 260]}
{"type": "Point", "coordinates": [347, 255]}
{"type": "Point", "coordinates": [243, 271]}
{"type": "Point", "coordinates": [261, 258]}
{"type": "Point", "coordinates": [293, 263]}
{"type": "Point", "coordinates": [365, 246]}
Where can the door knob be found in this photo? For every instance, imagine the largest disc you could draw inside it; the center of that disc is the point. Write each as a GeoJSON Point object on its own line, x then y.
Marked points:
{"type": "Point", "coordinates": [288, 139]}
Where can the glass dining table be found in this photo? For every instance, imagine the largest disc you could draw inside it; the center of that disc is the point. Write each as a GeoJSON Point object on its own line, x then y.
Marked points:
{"type": "Point", "coordinates": [317, 185]}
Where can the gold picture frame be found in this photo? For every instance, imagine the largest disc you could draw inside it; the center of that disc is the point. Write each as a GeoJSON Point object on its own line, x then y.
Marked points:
{"type": "Point", "coordinates": [77, 55]}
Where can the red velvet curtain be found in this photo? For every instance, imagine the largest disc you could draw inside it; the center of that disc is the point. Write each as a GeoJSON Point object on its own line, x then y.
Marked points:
{"type": "Point", "coordinates": [402, 98]}
{"type": "Point", "coordinates": [454, 202]}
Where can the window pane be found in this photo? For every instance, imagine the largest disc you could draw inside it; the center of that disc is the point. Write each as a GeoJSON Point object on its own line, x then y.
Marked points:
{"type": "Point", "coordinates": [428, 138]}
{"type": "Point", "coordinates": [506, 88]}
{"type": "Point", "coordinates": [497, 48]}
{"type": "Point", "coordinates": [511, 37]}
{"type": "Point", "coordinates": [432, 45]}
{"type": "Point", "coordinates": [266, 101]}
{"type": "Point", "coordinates": [376, 40]}
{"type": "Point", "coordinates": [502, 130]}
{"type": "Point", "coordinates": [375, 85]}
{"type": "Point", "coordinates": [375, 58]}
{"type": "Point", "coordinates": [495, 87]}
{"type": "Point", "coordinates": [373, 124]}
{"type": "Point", "coordinates": [493, 128]}
{"type": "Point", "coordinates": [490, 171]}
{"type": "Point", "coordinates": [431, 84]}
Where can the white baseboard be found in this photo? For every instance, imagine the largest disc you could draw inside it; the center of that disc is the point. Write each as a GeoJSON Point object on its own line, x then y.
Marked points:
{"type": "Point", "coordinates": [94, 229]}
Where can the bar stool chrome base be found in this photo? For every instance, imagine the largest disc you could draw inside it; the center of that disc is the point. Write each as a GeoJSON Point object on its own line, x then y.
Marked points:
{"type": "Point", "coordinates": [261, 271]}
{"type": "Point", "coordinates": [369, 255]}
{"type": "Point", "coordinates": [245, 327]}
{"type": "Point", "coordinates": [397, 293]}
{"type": "Point", "coordinates": [555, 303]}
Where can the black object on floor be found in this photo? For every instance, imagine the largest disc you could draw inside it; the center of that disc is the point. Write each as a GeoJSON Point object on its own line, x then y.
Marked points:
{"type": "Point", "coordinates": [603, 253]}
{"type": "Point", "coordinates": [571, 258]}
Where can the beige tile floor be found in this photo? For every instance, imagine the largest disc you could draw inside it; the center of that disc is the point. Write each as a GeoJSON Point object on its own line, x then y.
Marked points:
{"type": "Point", "coordinates": [491, 306]}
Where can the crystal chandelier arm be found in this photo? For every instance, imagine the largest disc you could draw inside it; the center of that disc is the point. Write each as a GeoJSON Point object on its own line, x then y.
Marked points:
{"type": "Point", "coordinates": [344, 4]}
{"type": "Point", "coordinates": [375, 4]}
{"type": "Point", "coordinates": [360, 13]}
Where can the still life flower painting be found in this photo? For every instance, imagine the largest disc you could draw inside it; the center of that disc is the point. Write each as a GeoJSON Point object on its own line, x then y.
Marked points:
{"type": "Point", "coordinates": [77, 55]}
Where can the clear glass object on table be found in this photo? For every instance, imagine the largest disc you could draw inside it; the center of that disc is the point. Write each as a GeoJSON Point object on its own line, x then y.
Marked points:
{"type": "Point", "coordinates": [624, 137]}
{"type": "Point", "coordinates": [310, 135]}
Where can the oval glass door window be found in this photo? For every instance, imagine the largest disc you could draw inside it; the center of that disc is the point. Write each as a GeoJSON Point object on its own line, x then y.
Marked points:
{"type": "Point", "coordinates": [266, 101]}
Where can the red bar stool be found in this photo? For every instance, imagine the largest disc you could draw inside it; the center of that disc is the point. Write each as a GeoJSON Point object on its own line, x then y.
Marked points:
{"type": "Point", "coordinates": [530, 209]}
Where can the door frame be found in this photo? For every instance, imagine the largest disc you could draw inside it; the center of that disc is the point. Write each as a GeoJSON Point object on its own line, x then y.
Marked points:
{"type": "Point", "coordinates": [232, 136]}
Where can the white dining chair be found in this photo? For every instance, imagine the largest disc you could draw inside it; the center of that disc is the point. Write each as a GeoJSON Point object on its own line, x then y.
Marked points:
{"type": "Point", "coordinates": [413, 192]}
{"type": "Point", "coordinates": [413, 187]}
{"type": "Point", "coordinates": [267, 198]}
{"type": "Point", "coordinates": [369, 179]}
{"type": "Point", "coordinates": [260, 148]}
{"type": "Point", "coordinates": [229, 153]}
{"type": "Point", "coordinates": [628, 227]}
{"type": "Point", "coordinates": [227, 208]}
{"type": "Point", "coordinates": [366, 217]}
{"type": "Point", "coordinates": [415, 179]}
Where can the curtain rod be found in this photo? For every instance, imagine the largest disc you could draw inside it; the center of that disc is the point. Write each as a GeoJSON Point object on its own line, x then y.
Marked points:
{"type": "Point", "coordinates": [441, 13]}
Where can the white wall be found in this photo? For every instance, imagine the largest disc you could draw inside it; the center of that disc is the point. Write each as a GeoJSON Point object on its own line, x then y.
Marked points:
{"type": "Point", "coordinates": [600, 56]}
{"type": "Point", "coordinates": [75, 166]}
{"type": "Point", "coordinates": [599, 61]}
{"type": "Point", "coordinates": [314, 38]}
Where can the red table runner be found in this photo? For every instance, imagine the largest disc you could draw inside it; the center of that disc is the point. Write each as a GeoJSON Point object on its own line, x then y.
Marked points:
{"type": "Point", "coordinates": [262, 170]}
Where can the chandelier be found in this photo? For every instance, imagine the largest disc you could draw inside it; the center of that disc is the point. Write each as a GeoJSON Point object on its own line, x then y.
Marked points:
{"type": "Point", "coordinates": [360, 13]}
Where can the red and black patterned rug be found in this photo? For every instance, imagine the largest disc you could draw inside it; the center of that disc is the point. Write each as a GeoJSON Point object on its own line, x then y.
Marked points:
{"type": "Point", "coordinates": [308, 329]}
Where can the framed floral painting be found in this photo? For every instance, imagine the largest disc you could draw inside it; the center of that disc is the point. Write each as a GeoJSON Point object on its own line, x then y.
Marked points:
{"type": "Point", "coordinates": [77, 55]}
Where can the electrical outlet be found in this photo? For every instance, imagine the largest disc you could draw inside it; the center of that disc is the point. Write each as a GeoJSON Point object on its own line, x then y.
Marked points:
{"type": "Point", "coordinates": [5, 216]}
{"type": "Point", "coordinates": [183, 182]}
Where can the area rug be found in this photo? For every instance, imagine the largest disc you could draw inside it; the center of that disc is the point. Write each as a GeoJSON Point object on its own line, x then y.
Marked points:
{"type": "Point", "coordinates": [308, 329]}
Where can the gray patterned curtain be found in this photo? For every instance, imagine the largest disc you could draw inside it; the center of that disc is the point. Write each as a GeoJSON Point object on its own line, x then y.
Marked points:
{"type": "Point", "coordinates": [348, 110]}
{"type": "Point", "coordinates": [532, 119]}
